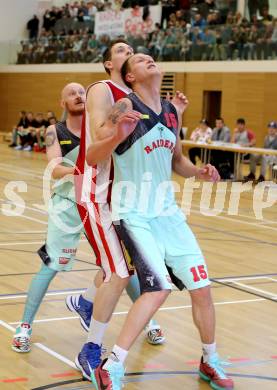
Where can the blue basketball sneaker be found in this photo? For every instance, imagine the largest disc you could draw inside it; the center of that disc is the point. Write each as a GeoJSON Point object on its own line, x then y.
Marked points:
{"type": "Point", "coordinates": [88, 359]}
{"type": "Point", "coordinates": [79, 305]}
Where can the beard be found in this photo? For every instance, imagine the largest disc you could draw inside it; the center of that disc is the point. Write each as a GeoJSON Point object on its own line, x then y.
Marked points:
{"type": "Point", "coordinates": [75, 111]}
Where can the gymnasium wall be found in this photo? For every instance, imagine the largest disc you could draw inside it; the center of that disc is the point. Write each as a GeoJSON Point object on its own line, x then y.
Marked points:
{"type": "Point", "coordinates": [249, 90]}
{"type": "Point", "coordinates": [252, 96]}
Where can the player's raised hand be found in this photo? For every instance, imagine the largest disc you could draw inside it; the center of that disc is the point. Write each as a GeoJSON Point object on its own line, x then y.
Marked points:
{"type": "Point", "coordinates": [126, 124]}
{"type": "Point", "coordinates": [179, 101]}
{"type": "Point", "coordinates": [208, 173]}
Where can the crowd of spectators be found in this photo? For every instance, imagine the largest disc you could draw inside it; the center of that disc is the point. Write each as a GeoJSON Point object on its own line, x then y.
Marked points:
{"type": "Point", "coordinates": [190, 30]}
{"type": "Point", "coordinates": [243, 136]}
{"type": "Point", "coordinates": [29, 133]}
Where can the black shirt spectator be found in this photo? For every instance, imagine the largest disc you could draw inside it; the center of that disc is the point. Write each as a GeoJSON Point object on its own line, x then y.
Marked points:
{"type": "Point", "coordinates": [33, 26]}
{"type": "Point", "coordinates": [47, 23]}
{"type": "Point", "coordinates": [206, 7]}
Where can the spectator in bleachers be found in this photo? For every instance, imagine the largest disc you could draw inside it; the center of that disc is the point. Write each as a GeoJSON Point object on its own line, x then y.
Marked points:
{"type": "Point", "coordinates": [68, 37]}
{"type": "Point", "coordinates": [92, 9]}
{"type": "Point", "coordinates": [266, 17]}
{"type": "Point", "coordinates": [206, 7]}
{"type": "Point", "coordinates": [251, 43]}
{"type": "Point", "coordinates": [233, 42]}
{"type": "Point", "coordinates": [198, 21]}
{"type": "Point", "coordinates": [257, 5]}
{"type": "Point", "coordinates": [168, 7]}
{"type": "Point", "coordinates": [209, 41]}
{"type": "Point", "coordinates": [171, 46]}
{"type": "Point", "coordinates": [202, 134]}
{"type": "Point", "coordinates": [33, 26]}
{"type": "Point", "coordinates": [270, 142]}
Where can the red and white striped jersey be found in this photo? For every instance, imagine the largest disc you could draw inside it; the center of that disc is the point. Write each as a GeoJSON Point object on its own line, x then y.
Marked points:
{"type": "Point", "coordinates": [93, 184]}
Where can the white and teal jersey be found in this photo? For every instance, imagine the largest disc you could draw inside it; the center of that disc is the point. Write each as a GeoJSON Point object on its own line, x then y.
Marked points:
{"type": "Point", "coordinates": [143, 165]}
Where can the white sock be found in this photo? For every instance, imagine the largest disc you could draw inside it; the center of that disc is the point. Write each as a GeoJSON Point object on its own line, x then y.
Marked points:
{"type": "Point", "coordinates": [208, 351]}
{"type": "Point", "coordinates": [90, 293]}
{"type": "Point", "coordinates": [96, 331]}
{"type": "Point", "coordinates": [117, 355]}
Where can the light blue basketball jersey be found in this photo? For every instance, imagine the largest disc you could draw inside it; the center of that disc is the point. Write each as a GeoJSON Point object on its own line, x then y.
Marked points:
{"type": "Point", "coordinates": [143, 165]}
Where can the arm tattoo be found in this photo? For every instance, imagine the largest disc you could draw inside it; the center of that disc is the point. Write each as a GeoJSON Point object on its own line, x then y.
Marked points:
{"type": "Point", "coordinates": [117, 110]}
{"type": "Point", "coordinates": [50, 138]}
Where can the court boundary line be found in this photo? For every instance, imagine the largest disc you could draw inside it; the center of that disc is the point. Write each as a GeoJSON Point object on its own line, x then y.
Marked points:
{"type": "Point", "coordinates": [168, 308]}
{"type": "Point", "coordinates": [271, 295]}
{"type": "Point", "coordinates": [245, 291]}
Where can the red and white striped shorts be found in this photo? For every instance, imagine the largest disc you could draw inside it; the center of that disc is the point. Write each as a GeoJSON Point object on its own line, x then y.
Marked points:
{"type": "Point", "coordinates": [101, 234]}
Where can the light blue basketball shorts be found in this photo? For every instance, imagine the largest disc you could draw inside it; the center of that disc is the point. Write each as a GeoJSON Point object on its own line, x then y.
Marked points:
{"type": "Point", "coordinates": [163, 250]}
{"type": "Point", "coordinates": [63, 234]}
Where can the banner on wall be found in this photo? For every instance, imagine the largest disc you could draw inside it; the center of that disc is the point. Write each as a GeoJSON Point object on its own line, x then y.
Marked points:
{"type": "Point", "coordinates": [137, 20]}
{"type": "Point", "coordinates": [109, 22]}
{"type": "Point", "coordinates": [138, 23]}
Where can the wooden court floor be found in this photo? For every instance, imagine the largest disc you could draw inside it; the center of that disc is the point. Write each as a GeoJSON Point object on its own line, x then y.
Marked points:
{"type": "Point", "coordinates": [241, 253]}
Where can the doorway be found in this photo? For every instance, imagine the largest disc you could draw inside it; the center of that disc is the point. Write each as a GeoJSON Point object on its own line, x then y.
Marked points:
{"type": "Point", "coordinates": [211, 106]}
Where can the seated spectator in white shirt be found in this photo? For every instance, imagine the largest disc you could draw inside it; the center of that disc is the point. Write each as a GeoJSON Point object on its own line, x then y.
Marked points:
{"type": "Point", "coordinates": [202, 134]}
{"type": "Point", "coordinates": [270, 142]}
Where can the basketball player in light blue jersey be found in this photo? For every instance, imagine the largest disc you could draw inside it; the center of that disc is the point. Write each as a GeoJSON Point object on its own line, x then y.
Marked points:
{"type": "Point", "coordinates": [146, 148]}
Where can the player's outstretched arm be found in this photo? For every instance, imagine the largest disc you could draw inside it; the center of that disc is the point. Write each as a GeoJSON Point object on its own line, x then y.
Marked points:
{"type": "Point", "coordinates": [184, 167]}
{"type": "Point", "coordinates": [53, 151]}
{"type": "Point", "coordinates": [120, 123]}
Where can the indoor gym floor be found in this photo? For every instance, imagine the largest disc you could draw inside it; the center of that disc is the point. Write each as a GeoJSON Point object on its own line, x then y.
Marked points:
{"type": "Point", "coordinates": [241, 252]}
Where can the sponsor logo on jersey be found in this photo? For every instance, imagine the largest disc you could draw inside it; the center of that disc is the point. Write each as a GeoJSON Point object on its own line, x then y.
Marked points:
{"type": "Point", "coordinates": [160, 143]}
{"type": "Point", "coordinates": [150, 280]}
{"type": "Point", "coordinates": [66, 142]}
{"type": "Point", "coordinates": [69, 250]}
{"type": "Point", "coordinates": [63, 260]}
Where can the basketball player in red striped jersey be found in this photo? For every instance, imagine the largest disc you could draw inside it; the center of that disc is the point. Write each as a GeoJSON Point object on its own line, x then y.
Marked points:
{"type": "Point", "coordinates": [93, 194]}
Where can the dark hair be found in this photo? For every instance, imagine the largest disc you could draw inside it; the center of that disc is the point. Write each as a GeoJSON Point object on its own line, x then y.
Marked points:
{"type": "Point", "coordinates": [23, 112]}
{"type": "Point", "coordinates": [107, 55]}
{"type": "Point", "coordinates": [205, 122]}
{"type": "Point", "coordinates": [124, 70]}
{"type": "Point", "coordinates": [241, 121]}
{"type": "Point", "coordinates": [219, 119]}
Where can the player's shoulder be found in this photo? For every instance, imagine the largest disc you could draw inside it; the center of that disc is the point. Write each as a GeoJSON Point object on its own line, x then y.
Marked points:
{"type": "Point", "coordinates": [99, 87]}
{"type": "Point", "coordinates": [166, 103]}
{"type": "Point", "coordinates": [124, 103]}
{"type": "Point", "coordinates": [51, 128]}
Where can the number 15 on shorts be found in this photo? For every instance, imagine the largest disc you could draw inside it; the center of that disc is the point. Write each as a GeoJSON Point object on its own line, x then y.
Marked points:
{"type": "Point", "coordinates": [198, 273]}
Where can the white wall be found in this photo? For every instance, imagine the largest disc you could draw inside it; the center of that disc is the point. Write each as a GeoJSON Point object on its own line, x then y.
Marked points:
{"type": "Point", "coordinates": [273, 7]}
{"type": "Point", "coordinates": [14, 16]}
